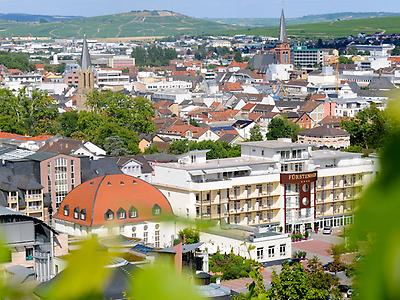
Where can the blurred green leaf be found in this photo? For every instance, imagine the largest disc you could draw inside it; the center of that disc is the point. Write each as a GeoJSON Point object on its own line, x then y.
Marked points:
{"type": "Point", "coordinates": [162, 282]}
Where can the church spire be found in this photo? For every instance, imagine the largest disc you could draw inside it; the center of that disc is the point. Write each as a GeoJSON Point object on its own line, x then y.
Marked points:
{"type": "Point", "coordinates": [85, 56]}
{"type": "Point", "coordinates": [282, 29]}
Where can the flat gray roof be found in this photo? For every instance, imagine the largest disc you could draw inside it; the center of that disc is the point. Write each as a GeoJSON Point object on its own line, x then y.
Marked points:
{"type": "Point", "coordinates": [329, 154]}
{"type": "Point", "coordinates": [274, 144]}
{"type": "Point", "coordinates": [220, 163]}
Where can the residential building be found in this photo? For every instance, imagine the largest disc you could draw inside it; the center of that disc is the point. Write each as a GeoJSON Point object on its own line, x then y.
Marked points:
{"type": "Point", "coordinates": [273, 183]}
{"type": "Point", "coordinates": [111, 78]}
{"type": "Point", "coordinates": [325, 136]}
{"type": "Point", "coordinates": [121, 62]}
{"type": "Point", "coordinates": [257, 243]}
{"type": "Point", "coordinates": [117, 204]}
{"type": "Point", "coordinates": [307, 58]}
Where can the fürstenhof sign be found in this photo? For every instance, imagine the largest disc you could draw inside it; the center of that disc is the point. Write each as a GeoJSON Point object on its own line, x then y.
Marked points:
{"type": "Point", "coordinates": [299, 177]}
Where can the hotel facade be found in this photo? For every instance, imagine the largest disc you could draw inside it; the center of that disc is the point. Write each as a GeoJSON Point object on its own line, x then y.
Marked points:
{"type": "Point", "coordinates": [277, 184]}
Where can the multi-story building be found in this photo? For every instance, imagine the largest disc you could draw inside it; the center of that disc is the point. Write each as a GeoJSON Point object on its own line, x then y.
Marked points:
{"type": "Point", "coordinates": [121, 62]}
{"type": "Point", "coordinates": [273, 183]}
{"type": "Point", "coordinates": [307, 58]}
{"type": "Point", "coordinates": [111, 78]}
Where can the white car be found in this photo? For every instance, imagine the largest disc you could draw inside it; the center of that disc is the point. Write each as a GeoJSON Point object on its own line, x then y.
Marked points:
{"type": "Point", "coordinates": [327, 230]}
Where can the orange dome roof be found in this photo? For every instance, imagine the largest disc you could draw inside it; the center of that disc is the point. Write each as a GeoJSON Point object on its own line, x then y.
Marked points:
{"type": "Point", "coordinates": [113, 199]}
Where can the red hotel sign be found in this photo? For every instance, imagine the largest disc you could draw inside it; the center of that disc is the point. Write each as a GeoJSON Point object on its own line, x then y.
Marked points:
{"type": "Point", "coordinates": [304, 180]}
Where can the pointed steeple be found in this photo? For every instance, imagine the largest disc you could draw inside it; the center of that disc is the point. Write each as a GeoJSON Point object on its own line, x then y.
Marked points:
{"type": "Point", "coordinates": [282, 29]}
{"type": "Point", "coordinates": [85, 56]}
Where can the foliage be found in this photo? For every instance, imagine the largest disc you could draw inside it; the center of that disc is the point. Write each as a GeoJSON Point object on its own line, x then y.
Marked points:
{"type": "Point", "coordinates": [294, 282]}
{"type": "Point", "coordinates": [194, 122]}
{"type": "Point", "coordinates": [238, 56]}
{"type": "Point", "coordinates": [231, 266]}
{"type": "Point", "coordinates": [336, 265]}
{"type": "Point", "coordinates": [368, 129]}
{"type": "Point", "coordinates": [189, 236]}
{"type": "Point", "coordinates": [282, 128]}
{"type": "Point", "coordinates": [217, 149]}
{"type": "Point", "coordinates": [27, 115]}
{"type": "Point", "coordinates": [345, 60]}
{"type": "Point", "coordinates": [396, 51]}
{"type": "Point", "coordinates": [256, 289]}
{"type": "Point", "coordinates": [115, 146]}
{"type": "Point", "coordinates": [153, 56]}
{"type": "Point", "coordinates": [300, 254]}
{"type": "Point", "coordinates": [14, 60]}
{"type": "Point", "coordinates": [161, 281]}
{"type": "Point", "coordinates": [255, 134]}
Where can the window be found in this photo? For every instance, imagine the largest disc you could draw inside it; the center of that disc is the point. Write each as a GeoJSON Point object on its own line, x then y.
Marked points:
{"type": "Point", "coordinates": [156, 210]}
{"type": "Point", "coordinates": [109, 215]}
{"type": "Point", "coordinates": [157, 239]}
{"type": "Point", "coordinates": [259, 188]}
{"type": "Point", "coordinates": [133, 213]}
{"type": "Point", "coordinates": [145, 237]}
{"type": "Point", "coordinates": [284, 168]}
{"type": "Point", "coordinates": [83, 214]}
{"type": "Point", "coordinates": [121, 214]}
{"type": "Point", "coordinates": [271, 251]}
{"type": "Point", "coordinates": [76, 213]}
{"type": "Point", "coordinates": [260, 253]}
{"type": "Point", "coordinates": [282, 249]}
{"type": "Point", "coordinates": [29, 253]}
{"type": "Point", "coordinates": [66, 210]}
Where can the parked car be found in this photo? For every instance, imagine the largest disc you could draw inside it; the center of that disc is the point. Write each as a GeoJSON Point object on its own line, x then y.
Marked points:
{"type": "Point", "coordinates": [292, 261]}
{"type": "Point", "coordinates": [327, 266]}
{"type": "Point", "coordinates": [327, 230]}
{"type": "Point", "coordinates": [343, 288]}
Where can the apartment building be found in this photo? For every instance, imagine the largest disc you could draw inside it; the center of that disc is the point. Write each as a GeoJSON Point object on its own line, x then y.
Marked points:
{"type": "Point", "coordinates": [111, 78]}
{"type": "Point", "coordinates": [307, 58]}
{"type": "Point", "coordinates": [277, 184]}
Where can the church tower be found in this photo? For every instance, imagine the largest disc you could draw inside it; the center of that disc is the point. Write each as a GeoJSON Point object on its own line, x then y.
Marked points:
{"type": "Point", "coordinates": [282, 50]}
{"type": "Point", "coordinates": [85, 78]}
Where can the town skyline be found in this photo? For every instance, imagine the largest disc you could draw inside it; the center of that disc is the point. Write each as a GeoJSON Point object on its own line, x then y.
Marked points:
{"type": "Point", "coordinates": [207, 8]}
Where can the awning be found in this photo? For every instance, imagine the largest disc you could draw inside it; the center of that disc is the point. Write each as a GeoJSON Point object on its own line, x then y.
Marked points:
{"type": "Point", "coordinates": [229, 169]}
{"type": "Point", "coordinates": [196, 172]}
{"type": "Point", "coordinates": [244, 168]}
{"type": "Point", "coordinates": [212, 171]}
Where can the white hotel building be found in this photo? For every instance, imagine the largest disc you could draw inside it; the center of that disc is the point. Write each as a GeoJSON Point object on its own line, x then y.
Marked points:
{"type": "Point", "coordinates": [273, 184]}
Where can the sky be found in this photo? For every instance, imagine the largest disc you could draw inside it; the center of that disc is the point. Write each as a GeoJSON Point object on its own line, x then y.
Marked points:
{"type": "Point", "coordinates": [198, 8]}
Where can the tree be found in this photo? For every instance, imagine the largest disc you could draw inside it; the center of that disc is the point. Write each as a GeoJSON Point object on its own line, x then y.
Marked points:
{"type": "Point", "coordinates": [368, 129]}
{"type": "Point", "coordinates": [189, 236]}
{"type": "Point", "coordinates": [115, 146]}
{"type": "Point", "coordinates": [14, 60]}
{"type": "Point", "coordinates": [282, 128]}
{"type": "Point", "coordinates": [217, 149]}
{"type": "Point", "coordinates": [294, 282]}
{"type": "Point", "coordinates": [255, 134]}
{"type": "Point", "coordinates": [30, 115]}
{"type": "Point", "coordinates": [344, 60]}
{"type": "Point", "coordinates": [396, 51]}
{"type": "Point", "coordinates": [68, 123]}
{"type": "Point", "coordinates": [238, 56]}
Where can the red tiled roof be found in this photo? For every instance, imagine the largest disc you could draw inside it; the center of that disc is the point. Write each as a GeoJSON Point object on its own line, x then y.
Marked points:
{"type": "Point", "coordinates": [112, 192]}
{"type": "Point", "coordinates": [7, 135]}
{"type": "Point", "coordinates": [241, 65]}
{"type": "Point", "coordinates": [249, 106]}
{"type": "Point", "coordinates": [183, 129]}
{"type": "Point", "coordinates": [223, 115]}
{"type": "Point", "coordinates": [231, 86]}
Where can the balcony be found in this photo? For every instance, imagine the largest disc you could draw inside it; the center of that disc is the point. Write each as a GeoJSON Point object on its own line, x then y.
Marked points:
{"type": "Point", "coordinates": [34, 208]}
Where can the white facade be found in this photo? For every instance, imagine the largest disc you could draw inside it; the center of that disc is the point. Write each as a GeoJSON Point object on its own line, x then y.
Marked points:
{"type": "Point", "coordinates": [109, 77]}
{"type": "Point", "coordinates": [168, 85]}
{"type": "Point", "coordinates": [279, 71]}
{"type": "Point", "coordinates": [248, 191]}
{"type": "Point", "coordinates": [159, 235]}
{"type": "Point", "coordinates": [265, 247]}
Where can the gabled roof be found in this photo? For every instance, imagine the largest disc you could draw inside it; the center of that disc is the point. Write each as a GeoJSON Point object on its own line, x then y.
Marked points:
{"type": "Point", "coordinates": [381, 83]}
{"type": "Point", "coordinates": [324, 131]}
{"type": "Point", "coordinates": [309, 106]}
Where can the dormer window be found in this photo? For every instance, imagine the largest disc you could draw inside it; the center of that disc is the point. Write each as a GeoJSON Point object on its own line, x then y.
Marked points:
{"type": "Point", "coordinates": [133, 213]}
{"type": "Point", "coordinates": [156, 210]}
{"type": "Point", "coordinates": [76, 213]}
{"type": "Point", "coordinates": [83, 214]}
{"type": "Point", "coordinates": [109, 215]}
{"type": "Point", "coordinates": [121, 214]}
{"type": "Point", "coordinates": [66, 210]}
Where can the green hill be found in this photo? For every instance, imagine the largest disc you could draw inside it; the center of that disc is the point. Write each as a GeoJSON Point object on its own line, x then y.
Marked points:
{"type": "Point", "coordinates": [166, 23]}
{"type": "Point", "coordinates": [269, 22]}
{"type": "Point", "coordinates": [132, 24]}
{"type": "Point", "coordinates": [331, 29]}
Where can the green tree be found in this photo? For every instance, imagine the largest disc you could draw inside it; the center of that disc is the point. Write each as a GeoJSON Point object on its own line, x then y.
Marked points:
{"type": "Point", "coordinates": [189, 236]}
{"type": "Point", "coordinates": [255, 134]}
{"type": "Point", "coordinates": [396, 51]}
{"type": "Point", "coordinates": [238, 56]}
{"type": "Point", "coordinates": [368, 129]}
{"type": "Point", "coordinates": [345, 60]}
{"type": "Point", "coordinates": [217, 149]}
{"type": "Point", "coordinates": [115, 146]}
{"type": "Point", "coordinates": [68, 123]}
{"type": "Point", "coordinates": [14, 60]}
{"type": "Point", "coordinates": [282, 128]}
